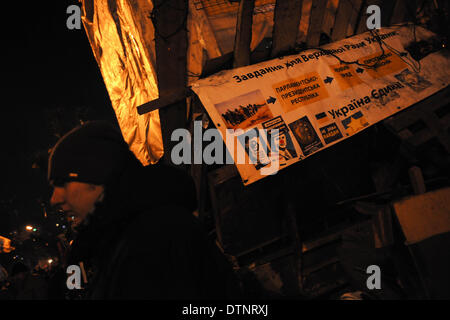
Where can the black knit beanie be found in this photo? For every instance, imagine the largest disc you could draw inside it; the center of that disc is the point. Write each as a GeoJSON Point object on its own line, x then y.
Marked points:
{"type": "Point", "coordinates": [93, 153]}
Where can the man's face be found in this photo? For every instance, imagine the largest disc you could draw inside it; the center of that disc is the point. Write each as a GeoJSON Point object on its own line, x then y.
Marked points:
{"type": "Point", "coordinates": [412, 79]}
{"type": "Point", "coordinates": [280, 141]}
{"type": "Point", "coordinates": [254, 146]}
{"type": "Point", "coordinates": [77, 199]}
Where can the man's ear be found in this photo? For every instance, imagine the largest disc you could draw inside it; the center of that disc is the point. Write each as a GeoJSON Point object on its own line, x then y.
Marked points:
{"type": "Point", "coordinates": [102, 195]}
{"type": "Point", "coordinates": [99, 189]}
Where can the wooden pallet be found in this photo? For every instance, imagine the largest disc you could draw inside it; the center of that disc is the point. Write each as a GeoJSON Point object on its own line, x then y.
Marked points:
{"type": "Point", "coordinates": [424, 121]}
{"type": "Point", "coordinates": [239, 233]}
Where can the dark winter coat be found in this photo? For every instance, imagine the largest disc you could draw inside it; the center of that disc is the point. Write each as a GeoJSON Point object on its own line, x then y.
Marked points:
{"type": "Point", "coordinates": [144, 242]}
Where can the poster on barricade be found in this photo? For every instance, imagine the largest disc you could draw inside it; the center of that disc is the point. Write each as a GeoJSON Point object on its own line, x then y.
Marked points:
{"type": "Point", "coordinates": [278, 112]}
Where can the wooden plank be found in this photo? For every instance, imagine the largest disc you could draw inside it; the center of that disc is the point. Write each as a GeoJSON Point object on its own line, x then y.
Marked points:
{"type": "Point", "coordinates": [205, 31]}
{"type": "Point", "coordinates": [216, 210]}
{"type": "Point", "coordinates": [169, 98]}
{"type": "Point", "coordinates": [420, 137]}
{"type": "Point", "coordinates": [433, 123]}
{"type": "Point", "coordinates": [343, 16]}
{"type": "Point", "coordinates": [425, 215]}
{"type": "Point", "coordinates": [198, 171]}
{"type": "Point", "coordinates": [404, 10]}
{"type": "Point", "coordinates": [401, 121]}
{"type": "Point", "coordinates": [243, 33]}
{"type": "Point", "coordinates": [245, 217]}
{"type": "Point", "coordinates": [216, 178]}
{"type": "Point", "coordinates": [171, 50]}
{"type": "Point", "coordinates": [320, 266]}
{"type": "Point", "coordinates": [286, 22]}
{"type": "Point", "coordinates": [386, 6]}
{"type": "Point", "coordinates": [416, 178]}
{"type": "Point", "coordinates": [336, 236]}
{"type": "Point", "coordinates": [362, 20]}
{"type": "Point", "coordinates": [346, 15]}
{"type": "Point", "coordinates": [410, 115]}
{"type": "Point", "coordinates": [315, 24]}
{"type": "Point", "coordinates": [330, 17]}
{"type": "Point", "coordinates": [355, 16]}
{"type": "Point", "coordinates": [424, 111]}
{"type": "Point", "coordinates": [382, 228]}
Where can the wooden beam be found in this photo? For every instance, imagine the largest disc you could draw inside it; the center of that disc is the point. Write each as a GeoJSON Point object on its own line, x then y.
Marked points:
{"type": "Point", "coordinates": [169, 20]}
{"type": "Point", "coordinates": [424, 215]}
{"type": "Point", "coordinates": [318, 9]}
{"type": "Point", "coordinates": [167, 99]}
{"type": "Point", "coordinates": [426, 111]}
{"type": "Point", "coordinates": [205, 31]}
{"type": "Point", "coordinates": [416, 178]}
{"type": "Point", "coordinates": [386, 6]}
{"type": "Point", "coordinates": [286, 22]}
{"type": "Point", "coordinates": [346, 18]}
{"type": "Point", "coordinates": [243, 33]}
{"type": "Point", "coordinates": [362, 19]}
{"type": "Point", "coordinates": [330, 17]}
{"type": "Point", "coordinates": [403, 11]}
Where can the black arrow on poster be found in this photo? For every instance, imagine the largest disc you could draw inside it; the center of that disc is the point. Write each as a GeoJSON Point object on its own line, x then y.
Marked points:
{"type": "Point", "coordinates": [271, 100]}
{"type": "Point", "coordinates": [328, 80]}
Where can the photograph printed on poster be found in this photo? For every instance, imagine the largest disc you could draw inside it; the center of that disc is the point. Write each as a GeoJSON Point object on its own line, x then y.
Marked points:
{"type": "Point", "coordinates": [280, 142]}
{"type": "Point", "coordinates": [306, 136]}
{"type": "Point", "coordinates": [244, 111]}
{"type": "Point", "coordinates": [330, 133]}
{"type": "Point", "coordinates": [413, 80]}
{"type": "Point", "coordinates": [255, 147]}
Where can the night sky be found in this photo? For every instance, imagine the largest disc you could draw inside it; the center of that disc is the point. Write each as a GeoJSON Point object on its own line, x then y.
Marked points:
{"type": "Point", "coordinates": [53, 81]}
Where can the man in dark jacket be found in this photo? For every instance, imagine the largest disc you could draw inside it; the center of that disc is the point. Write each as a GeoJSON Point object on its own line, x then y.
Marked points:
{"type": "Point", "coordinates": [25, 285]}
{"type": "Point", "coordinates": [135, 231]}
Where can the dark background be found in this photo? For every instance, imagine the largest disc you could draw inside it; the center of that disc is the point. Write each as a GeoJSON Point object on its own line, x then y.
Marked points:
{"type": "Point", "coordinates": [52, 82]}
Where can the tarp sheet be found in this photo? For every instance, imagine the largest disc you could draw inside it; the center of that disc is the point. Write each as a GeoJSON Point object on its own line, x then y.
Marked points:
{"type": "Point", "coordinates": [122, 39]}
{"type": "Point", "coordinates": [316, 98]}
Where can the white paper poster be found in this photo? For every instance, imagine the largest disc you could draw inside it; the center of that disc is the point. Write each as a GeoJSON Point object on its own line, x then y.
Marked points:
{"type": "Point", "coordinates": [281, 111]}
